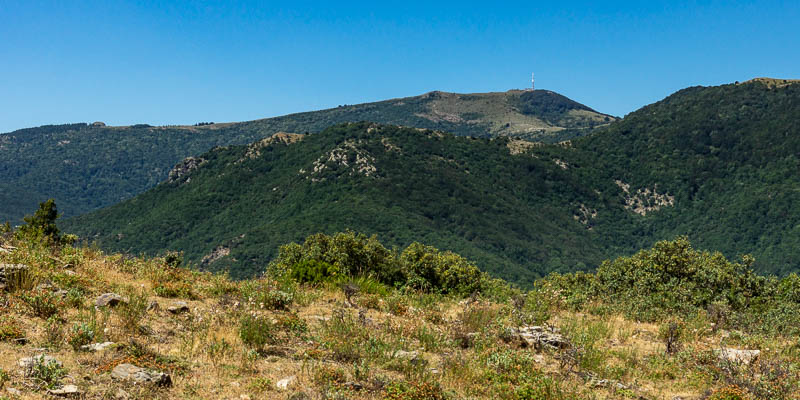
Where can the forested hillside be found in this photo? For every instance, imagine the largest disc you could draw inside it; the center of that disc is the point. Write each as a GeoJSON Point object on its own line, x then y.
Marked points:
{"type": "Point", "coordinates": [717, 163]}
{"type": "Point", "coordinates": [516, 215]}
{"type": "Point", "coordinates": [729, 155]}
{"type": "Point", "coordinates": [85, 167]}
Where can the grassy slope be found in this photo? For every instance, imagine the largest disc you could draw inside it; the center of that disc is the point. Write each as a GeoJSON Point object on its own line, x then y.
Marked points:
{"type": "Point", "coordinates": [325, 343]}
{"type": "Point", "coordinates": [85, 167]}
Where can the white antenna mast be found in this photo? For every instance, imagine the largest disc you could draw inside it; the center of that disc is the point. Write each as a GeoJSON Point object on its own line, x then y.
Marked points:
{"type": "Point", "coordinates": [533, 82]}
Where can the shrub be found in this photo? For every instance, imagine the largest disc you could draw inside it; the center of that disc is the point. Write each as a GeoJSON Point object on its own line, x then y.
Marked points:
{"type": "Point", "coordinates": [131, 313]}
{"type": "Point", "coordinates": [9, 328]}
{"type": "Point", "coordinates": [348, 253]}
{"type": "Point", "coordinates": [672, 277]}
{"type": "Point", "coordinates": [672, 333]}
{"type": "Point", "coordinates": [729, 393]}
{"type": "Point", "coordinates": [313, 271]}
{"type": "Point", "coordinates": [81, 334]}
{"type": "Point", "coordinates": [414, 390]}
{"type": "Point", "coordinates": [20, 279]}
{"type": "Point", "coordinates": [3, 378]}
{"type": "Point", "coordinates": [325, 375]}
{"type": "Point", "coordinates": [257, 332]}
{"type": "Point", "coordinates": [54, 335]}
{"type": "Point", "coordinates": [42, 224]}
{"type": "Point", "coordinates": [43, 303]}
{"type": "Point", "coordinates": [431, 270]}
{"type": "Point", "coordinates": [46, 374]}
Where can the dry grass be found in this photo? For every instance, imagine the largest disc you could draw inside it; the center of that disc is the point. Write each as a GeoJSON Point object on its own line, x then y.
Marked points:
{"type": "Point", "coordinates": [207, 359]}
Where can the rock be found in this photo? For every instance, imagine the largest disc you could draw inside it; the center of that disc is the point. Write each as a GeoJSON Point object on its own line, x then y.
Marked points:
{"type": "Point", "coordinates": [109, 299]}
{"type": "Point", "coordinates": [70, 273]}
{"type": "Point", "coordinates": [738, 356]}
{"type": "Point", "coordinates": [46, 285]}
{"type": "Point", "coordinates": [406, 355]}
{"type": "Point", "coordinates": [285, 383]}
{"type": "Point", "coordinates": [130, 372]}
{"type": "Point", "coordinates": [179, 307]}
{"type": "Point", "coordinates": [60, 293]}
{"type": "Point", "coordinates": [153, 306]}
{"type": "Point", "coordinates": [121, 395]}
{"type": "Point", "coordinates": [539, 337]}
{"type": "Point", "coordinates": [68, 266]}
{"type": "Point", "coordinates": [183, 168]}
{"type": "Point", "coordinates": [28, 363]}
{"type": "Point", "coordinates": [353, 385]}
{"type": "Point", "coordinates": [97, 346]}
{"type": "Point", "coordinates": [14, 392]}
{"type": "Point", "coordinates": [65, 391]}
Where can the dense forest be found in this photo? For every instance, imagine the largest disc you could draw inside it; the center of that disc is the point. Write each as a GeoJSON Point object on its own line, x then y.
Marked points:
{"type": "Point", "coordinates": [718, 164]}
{"type": "Point", "coordinates": [513, 214]}
{"type": "Point", "coordinates": [85, 167]}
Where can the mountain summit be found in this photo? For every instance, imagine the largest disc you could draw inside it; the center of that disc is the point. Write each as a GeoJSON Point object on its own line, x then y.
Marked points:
{"type": "Point", "coordinates": [85, 167]}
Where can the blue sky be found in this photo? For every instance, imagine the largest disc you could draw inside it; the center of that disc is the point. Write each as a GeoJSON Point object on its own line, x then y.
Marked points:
{"type": "Point", "coordinates": [161, 62]}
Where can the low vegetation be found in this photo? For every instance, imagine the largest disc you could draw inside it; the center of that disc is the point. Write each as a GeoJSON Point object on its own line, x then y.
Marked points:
{"type": "Point", "coordinates": [341, 316]}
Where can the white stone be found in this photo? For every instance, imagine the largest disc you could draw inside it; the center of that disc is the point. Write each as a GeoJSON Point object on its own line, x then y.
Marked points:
{"type": "Point", "coordinates": [97, 346]}
{"type": "Point", "coordinates": [738, 356]}
{"type": "Point", "coordinates": [66, 390]}
{"type": "Point", "coordinates": [285, 383]}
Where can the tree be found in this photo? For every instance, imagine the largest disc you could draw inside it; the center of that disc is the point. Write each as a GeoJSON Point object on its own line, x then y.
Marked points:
{"type": "Point", "coordinates": [42, 224]}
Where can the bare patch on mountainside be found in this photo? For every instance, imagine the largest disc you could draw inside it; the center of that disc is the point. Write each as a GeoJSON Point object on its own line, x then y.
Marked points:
{"type": "Point", "coordinates": [518, 146]}
{"type": "Point", "coordinates": [215, 255]}
{"type": "Point", "coordinates": [254, 150]}
{"type": "Point", "coordinates": [772, 82]}
{"type": "Point", "coordinates": [348, 156]}
{"type": "Point", "coordinates": [584, 215]}
{"type": "Point", "coordinates": [645, 200]}
{"type": "Point", "coordinates": [182, 169]}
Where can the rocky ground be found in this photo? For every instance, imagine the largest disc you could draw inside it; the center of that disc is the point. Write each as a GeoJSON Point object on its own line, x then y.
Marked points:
{"type": "Point", "coordinates": [77, 323]}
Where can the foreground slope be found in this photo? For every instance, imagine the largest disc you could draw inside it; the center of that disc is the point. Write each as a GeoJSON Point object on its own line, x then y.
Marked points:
{"type": "Point", "coordinates": [85, 167]}
{"type": "Point", "coordinates": [517, 216]}
{"type": "Point", "coordinates": [200, 336]}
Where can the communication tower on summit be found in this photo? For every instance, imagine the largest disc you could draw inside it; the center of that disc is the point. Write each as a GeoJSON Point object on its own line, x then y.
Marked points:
{"type": "Point", "coordinates": [533, 82]}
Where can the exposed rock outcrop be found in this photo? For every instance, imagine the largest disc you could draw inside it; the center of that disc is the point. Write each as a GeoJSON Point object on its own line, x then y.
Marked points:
{"type": "Point", "coordinates": [179, 172]}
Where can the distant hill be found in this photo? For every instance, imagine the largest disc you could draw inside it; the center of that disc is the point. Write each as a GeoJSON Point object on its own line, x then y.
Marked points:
{"type": "Point", "coordinates": [717, 163]}
{"type": "Point", "coordinates": [727, 156]}
{"type": "Point", "coordinates": [232, 207]}
{"type": "Point", "coordinates": [85, 167]}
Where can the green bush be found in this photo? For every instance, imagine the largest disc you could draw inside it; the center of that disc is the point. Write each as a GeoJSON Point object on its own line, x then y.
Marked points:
{"type": "Point", "coordinates": [47, 374]}
{"type": "Point", "coordinates": [431, 270]}
{"type": "Point", "coordinates": [81, 334]}
{"type": "Point", "coordinates": [414, 390]}
{"type": "Point", "coordinates": [42, 224]}
{"type": "Point", "coordinates": [314, 271]}
{"type": "Point", "coordinates": [672, 277]}
{"type": "Point", "coordinates": [43, 303]}
{"type": "Point", "coordinates": [257, 332]}
{"type": "Point", "coordinates": [324, 258]}
{"type": "Point", "coordinates": [10, 329]}
{"type": "Point", "coordinates": [348, 252]}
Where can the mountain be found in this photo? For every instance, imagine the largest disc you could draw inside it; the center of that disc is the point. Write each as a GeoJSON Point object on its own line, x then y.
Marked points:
{"type": "Point", "coordinates": [717, 163]}
{"type": "Point", "coordinates": [85, 167]}
{"type": "Point", "coordinates": [726, 158]}
{"type": "Point", "coordinates": [231, 208]}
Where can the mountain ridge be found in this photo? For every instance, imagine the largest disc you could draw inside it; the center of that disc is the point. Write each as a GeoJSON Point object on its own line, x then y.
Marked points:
{"type": "Point", "coordinates": [85, 167]}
